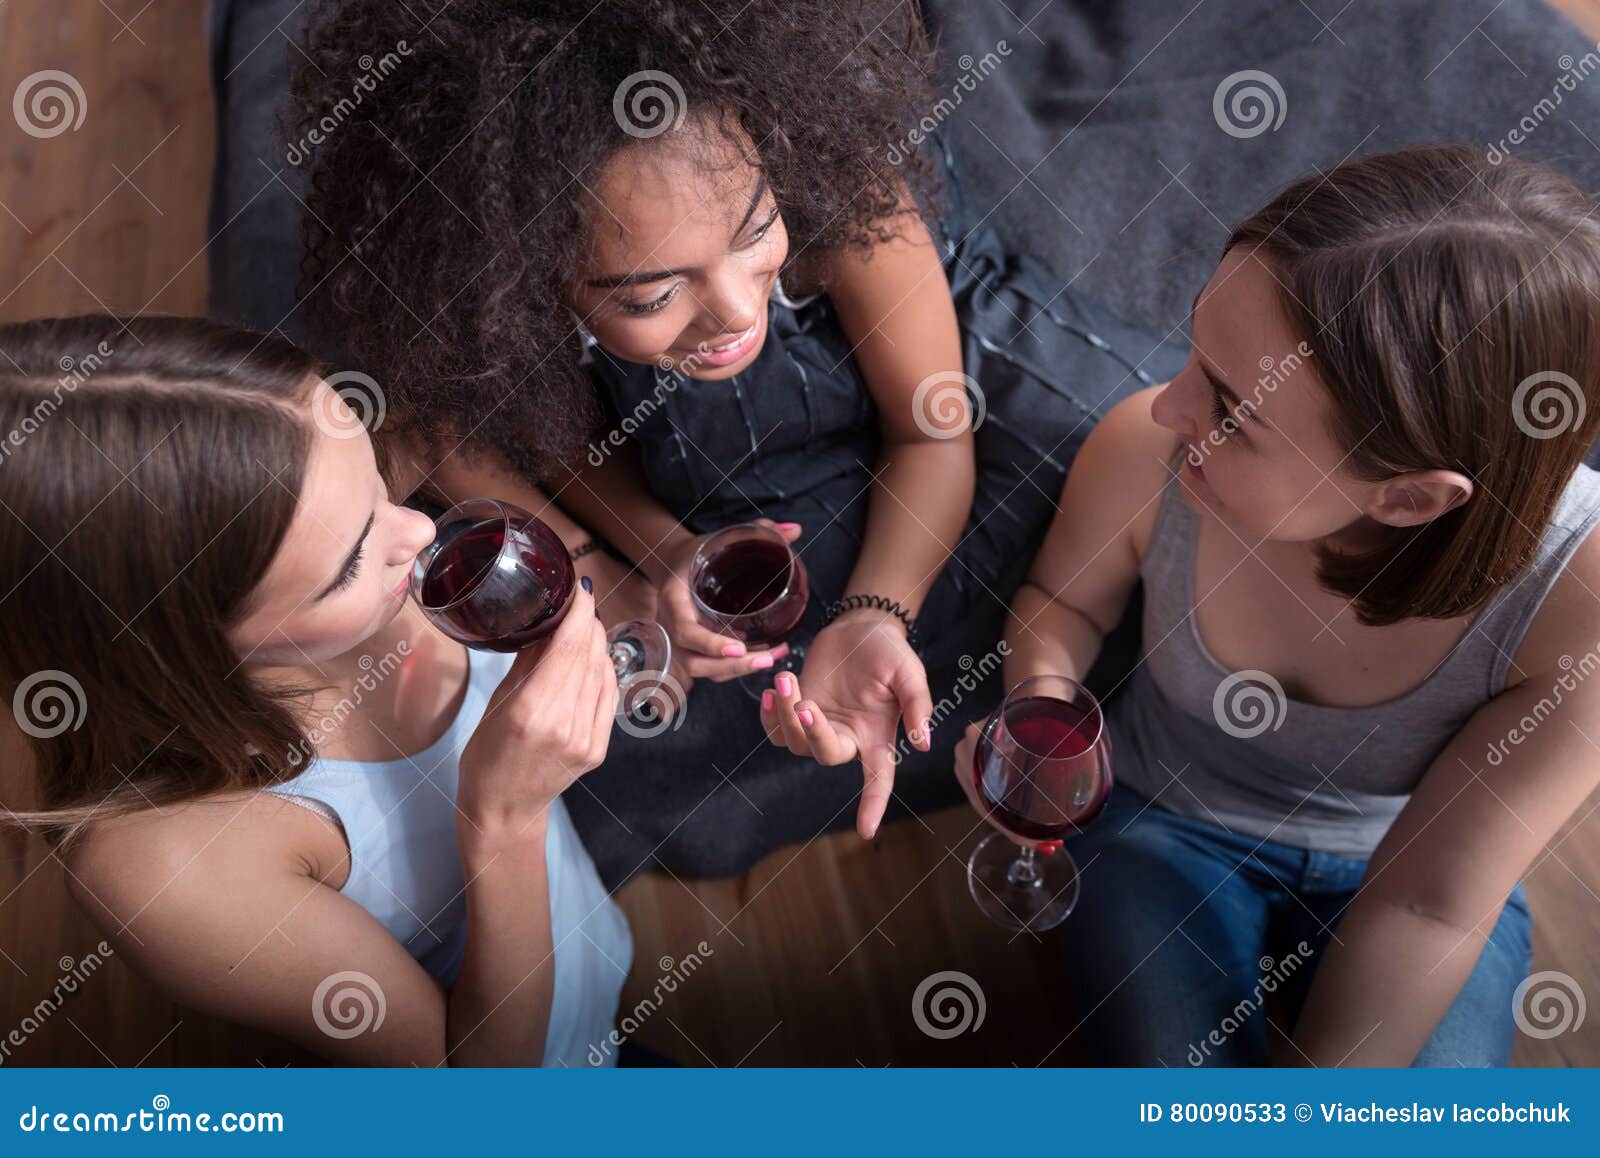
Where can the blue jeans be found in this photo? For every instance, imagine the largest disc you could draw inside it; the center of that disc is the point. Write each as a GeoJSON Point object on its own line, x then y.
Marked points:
{"type": "Point", "coordinates": [1191, 945]}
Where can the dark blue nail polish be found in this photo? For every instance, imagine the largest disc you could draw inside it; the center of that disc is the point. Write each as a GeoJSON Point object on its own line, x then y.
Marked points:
{"type": "Point", "coordinates": [588, 584]}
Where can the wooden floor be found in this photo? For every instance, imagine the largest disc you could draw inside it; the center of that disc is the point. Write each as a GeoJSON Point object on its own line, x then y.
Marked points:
{"type": "Point", "coordinates": [814, 957]}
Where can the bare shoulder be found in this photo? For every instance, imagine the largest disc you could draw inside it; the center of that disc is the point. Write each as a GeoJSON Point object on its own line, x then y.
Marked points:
{"type": "Point", "coordinates": [181, 860]}
{"type": "Point", "coordinates": [1566, 629]}
{"type": "Point", "coordinates": [1117, 479]}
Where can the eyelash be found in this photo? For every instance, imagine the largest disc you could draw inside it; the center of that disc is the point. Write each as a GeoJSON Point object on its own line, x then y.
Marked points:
{"type": "Point", "coordinates": [351, 571]}
{"type": "Point", "coordinates": [1219, 408]}
{"type": "Point", "coordinates": [666, 299]}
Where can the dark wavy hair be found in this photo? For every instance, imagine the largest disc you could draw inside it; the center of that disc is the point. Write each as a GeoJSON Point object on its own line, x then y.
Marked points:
{"type": "Point", "coordinates": [448, 142]}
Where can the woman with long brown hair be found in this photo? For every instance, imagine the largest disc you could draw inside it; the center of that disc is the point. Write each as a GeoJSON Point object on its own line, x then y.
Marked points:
{"type": "Point", "coordinates": [285, 797]}
{"type": "Point", "coordinates": [1362, 525]}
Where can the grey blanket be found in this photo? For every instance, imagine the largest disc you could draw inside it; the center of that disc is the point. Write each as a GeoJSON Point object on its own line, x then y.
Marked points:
{"type": "Point", "coordinates": [1087, 126]}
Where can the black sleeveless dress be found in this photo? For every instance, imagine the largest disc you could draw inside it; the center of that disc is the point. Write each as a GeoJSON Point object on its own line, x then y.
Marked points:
{"type": "Point", "coordinates": [795, 438]}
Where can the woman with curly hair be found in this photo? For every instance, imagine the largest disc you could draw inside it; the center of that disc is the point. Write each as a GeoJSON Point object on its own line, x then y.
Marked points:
{"type": "Point", "coordinates": [685, 266]}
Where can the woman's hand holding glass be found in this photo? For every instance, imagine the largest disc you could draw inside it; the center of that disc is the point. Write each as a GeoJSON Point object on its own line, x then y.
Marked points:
{"type": "Point", "coordinates": [705, 652]}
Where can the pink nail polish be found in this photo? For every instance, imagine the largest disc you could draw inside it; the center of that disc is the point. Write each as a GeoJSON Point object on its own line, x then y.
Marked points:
{"type": "Point", "coordinates": [761, 662]}
{"type": "Point", "coordinates": [806, 717]}
{"type": "Point", "coordinates": [784, 683]}
{"type": "Point", "coordinates": [732, 650]}
{"type": "Point", "coordinates": [788, 526]}
{"type": "Point", "coordinates": [780, 651]}
{"type": "Point", "coordinates": [766, 700]}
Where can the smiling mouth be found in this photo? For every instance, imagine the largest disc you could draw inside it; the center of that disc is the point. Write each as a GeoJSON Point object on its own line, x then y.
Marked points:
{"type": "Point", "coordinates": [735, 341]}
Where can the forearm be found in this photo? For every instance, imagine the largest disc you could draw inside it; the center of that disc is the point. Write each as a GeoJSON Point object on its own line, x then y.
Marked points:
{"type": "Point", "coordinates": [917, 509]}
{"type": "Point", "coordinates": [1383, 985]}
{"type": "Point", "coordinates": [499, 1009]}
{"type": "Point", "coordinates": [600, 496]}
{"type": "Point", "coordinates": [457, 479]}
{"type": "Point", "coordinates": [1045, 636]}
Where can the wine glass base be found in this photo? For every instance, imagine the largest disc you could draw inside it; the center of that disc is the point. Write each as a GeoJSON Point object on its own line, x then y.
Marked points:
{"type": "Point", "coordinates": [759, 681]}
{"type": "Point", "coordinates": [641, 653]}
{"type": "Point", "coordinates": [1009, 898]}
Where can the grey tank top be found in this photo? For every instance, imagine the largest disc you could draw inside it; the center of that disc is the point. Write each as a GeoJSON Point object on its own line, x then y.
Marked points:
{"type": "Point", "coordinates": [1231, 749]}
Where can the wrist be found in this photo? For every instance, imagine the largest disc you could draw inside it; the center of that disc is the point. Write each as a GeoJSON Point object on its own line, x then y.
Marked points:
{"type": "Point", "coordinates": [877, 608]}
{"type": "Point", "coordinates": [670, 556]}
{"type": "Point", "coordinates": [488, 834]}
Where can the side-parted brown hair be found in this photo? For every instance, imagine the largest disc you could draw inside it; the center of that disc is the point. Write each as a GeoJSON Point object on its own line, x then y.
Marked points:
{"type": "Point", "coordinates": [1431, 285]}
{"type": "Point", "coordinates": [149, 470]}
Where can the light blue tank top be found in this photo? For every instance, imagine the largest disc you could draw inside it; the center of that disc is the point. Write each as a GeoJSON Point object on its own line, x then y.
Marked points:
{"type": "Point", "coordinates": [405, 869]}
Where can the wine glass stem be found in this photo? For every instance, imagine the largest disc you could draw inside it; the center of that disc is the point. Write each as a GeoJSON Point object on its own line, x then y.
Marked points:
{"type": "Point", "coordinates": [626, 657]}
{"type": "Point", "coordinates": [1023, 872]}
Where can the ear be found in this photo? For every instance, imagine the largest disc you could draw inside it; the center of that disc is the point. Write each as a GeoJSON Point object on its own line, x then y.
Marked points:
{"type": "Point", "coordinates": [1417, 497]}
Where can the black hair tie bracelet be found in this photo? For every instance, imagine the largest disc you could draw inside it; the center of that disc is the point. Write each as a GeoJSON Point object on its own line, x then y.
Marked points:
{"type": "Point", "coordinates": [877, 603]}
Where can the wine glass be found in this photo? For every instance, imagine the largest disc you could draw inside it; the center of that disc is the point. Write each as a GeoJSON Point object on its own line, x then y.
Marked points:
{"type": "Point", "coordinates": [496, 578]}
{"type": "Point", "coordinates": [747, 582]}
{"type": "Point", "coordinates": [1043, 768]}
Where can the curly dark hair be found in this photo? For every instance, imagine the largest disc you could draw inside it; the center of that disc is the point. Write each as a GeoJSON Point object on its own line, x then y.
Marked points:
{"type": "Point", "coordinates": [443, 221]}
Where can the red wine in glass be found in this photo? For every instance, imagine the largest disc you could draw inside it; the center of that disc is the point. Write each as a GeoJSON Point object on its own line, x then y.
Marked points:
{"type": "Point", "coordinates": [496, 578]}
{"type": "Point", "coordinates": [498, 583]}
{"type": "Point", "coordinates": [1042, 767]}
{"type": "Point", "coordinates": [749, 583]}
{"type": "Point", "coordinates": [754, 588]}
{"type": "Point", "coordinates": [1041, 774]}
